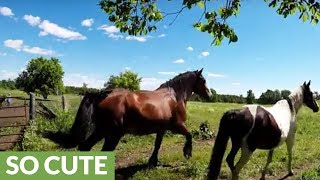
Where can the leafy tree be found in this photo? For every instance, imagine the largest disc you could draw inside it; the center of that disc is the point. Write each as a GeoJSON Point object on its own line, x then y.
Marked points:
{"type": "Point", "coordinates": [250, 97]}
{"type": "Point", "coordinates": [84, 88]}
{"type": "Point", "coordinates": [42, 76]}
{"type": "Point", "coordinates": [138, 17]}
{"type": "Point", "coordinates": [285, 94]}
{"type": "Point", "coordinates": [277, 95]}
{"type": "Point", "coordinates": [269, 97]}
{"type": "Point", "coordinates": [214, 97]}
{"type": "Point", "coordinates": [128, 80]}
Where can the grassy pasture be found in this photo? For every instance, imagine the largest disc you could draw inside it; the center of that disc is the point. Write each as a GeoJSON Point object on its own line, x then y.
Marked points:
{"type": "Point", "coordinates": [133, 152]}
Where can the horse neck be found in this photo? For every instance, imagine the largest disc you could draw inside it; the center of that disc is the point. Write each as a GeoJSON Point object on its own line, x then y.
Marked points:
{"type": "Point", "coordinates": [182, 90]}
{"type": "Point", "coordinates": [297, 99]}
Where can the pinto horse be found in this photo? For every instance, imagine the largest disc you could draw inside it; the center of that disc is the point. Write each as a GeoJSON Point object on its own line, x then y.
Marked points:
{"type": "Point", "coordinates": [256, 127]}
{"type": "Point", "coordinates": [140, 113]}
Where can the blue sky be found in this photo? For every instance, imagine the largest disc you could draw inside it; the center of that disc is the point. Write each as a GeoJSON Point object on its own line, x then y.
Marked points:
{"type": "Point", "coordinates": [272, 52]}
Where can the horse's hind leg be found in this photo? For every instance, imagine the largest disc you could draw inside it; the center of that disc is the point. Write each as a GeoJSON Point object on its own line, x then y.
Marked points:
{"type": "Point", "coordinates": [245, 156]}
{"type": "Point", "coordinates": [236, 144]}
{"type": "Point", "coordinates": [111, 142]}
{"type": "Point", "coordinates": [90, 142]}
{"type": "Point", "coordinates": [270, 154]}
{"type": "Point", "coordinates": [153, 161]}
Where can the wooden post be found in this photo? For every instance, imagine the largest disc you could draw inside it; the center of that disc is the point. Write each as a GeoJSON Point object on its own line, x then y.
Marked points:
{"type": "Point", "coordinates": [63, 100]}
{"type": "Point", "coordinates": [32, 111]}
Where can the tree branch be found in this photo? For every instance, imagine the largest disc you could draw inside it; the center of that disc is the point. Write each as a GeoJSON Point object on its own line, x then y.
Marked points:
{"type": "Point", "coordinates": [204, 11]}
{"type": "Point", "coordinates": [174, 13]}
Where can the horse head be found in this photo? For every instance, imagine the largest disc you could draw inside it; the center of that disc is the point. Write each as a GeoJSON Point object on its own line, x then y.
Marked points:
{"type": "Point", "coordinates": [308, 97]}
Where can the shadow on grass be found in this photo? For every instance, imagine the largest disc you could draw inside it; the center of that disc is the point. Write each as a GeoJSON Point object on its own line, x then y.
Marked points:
{"type": "Point", "coordinates": [129, 171]}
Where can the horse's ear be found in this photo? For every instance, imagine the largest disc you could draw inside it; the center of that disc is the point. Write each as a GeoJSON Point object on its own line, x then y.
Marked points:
{"type": "Point", "coordinates": [309, 83]}
{"type": "Point", "coordinates": [304, 84]}
{"type": "Point", "coordinates": [200, 72]}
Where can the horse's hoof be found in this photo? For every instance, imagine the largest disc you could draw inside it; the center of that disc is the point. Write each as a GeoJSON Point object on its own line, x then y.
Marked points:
{"type": "Point", "coordinates": [153, 163]}
{"type": "Point", "coordinates": [290, 174]}
{"type": "Point", "coordinates": [187, 153]}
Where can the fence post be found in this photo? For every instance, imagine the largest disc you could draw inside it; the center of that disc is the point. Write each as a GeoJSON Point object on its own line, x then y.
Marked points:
{"type": "Point", "coordinates": [32, 111]}
{"type": "Point", "coordinates": [63, 100]}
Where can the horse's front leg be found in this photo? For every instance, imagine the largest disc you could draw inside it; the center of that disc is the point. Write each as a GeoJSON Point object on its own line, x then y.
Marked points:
{"type": "Point", "coordinates": [180, 128]}
{"type": "Point", "coordinates": [153, 161]}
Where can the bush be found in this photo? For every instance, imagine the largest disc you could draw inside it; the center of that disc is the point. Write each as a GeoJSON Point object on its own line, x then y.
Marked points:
{"type": "Point", "coordinates": [33, 140]}
{"type": "Point", "coordinates": [204, 132]}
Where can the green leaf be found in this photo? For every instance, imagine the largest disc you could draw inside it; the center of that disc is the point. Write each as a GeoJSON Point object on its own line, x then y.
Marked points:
{"type": "Point", "coordinates": [305, 17]}
{"type": "Point", "coordinates": [200, 4]}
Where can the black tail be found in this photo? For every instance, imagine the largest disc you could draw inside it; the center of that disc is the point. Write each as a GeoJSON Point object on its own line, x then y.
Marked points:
{"type": "Point", "coordinates": [64, 139]}
{"type": "Point", "coordinates": [219, 148]}
{"type": "Point", "coordinates": [84, 124]}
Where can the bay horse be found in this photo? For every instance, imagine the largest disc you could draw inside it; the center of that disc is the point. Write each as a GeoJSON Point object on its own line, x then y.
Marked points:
{"type": "Point", "coordinates": [113, 114]}
{"type": "Point", "coordinates": [257, 127]}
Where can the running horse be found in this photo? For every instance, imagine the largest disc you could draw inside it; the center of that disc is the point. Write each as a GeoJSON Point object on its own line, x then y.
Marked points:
{"type": "Point", "coordinates": [140, 113]}
{"type": "Point", "coordinates": [256, 127]}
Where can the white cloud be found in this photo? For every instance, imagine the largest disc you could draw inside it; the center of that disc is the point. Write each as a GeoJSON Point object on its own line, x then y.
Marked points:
{"type": "Point", "coordinates": [150, 83]}
{"type": "Point", "coordinates": [178, 61]}
{"type": "Point", "coordinates": [216, 75]}
{"type": "Point", "coordinates": [236, 83]}
{"type": "Point", "coordinates": [109, 29]}
{"type": "Point", "coordinates": [190, 48]}
{"type": "Point", "coordinates": [205, 54]}
{"type": "Point", "coordinates": [115, 36]}
{"type": "Point", "coordinates": [60, 32]}
{"type": "Point", "coordinates": [87, 22]}
{"type": "Point", "coordinates": [32, 20]}
{"type": "Point", "coordinates": [14, 44]}
{"type": "Point", "coordinates": [37, 50]}
{"type": "Point", "coordinates": [127, 68]}
{"type": "Point", "coordinates": [76, 79]}
{"type": "Point", "coordinates": [166, 73]}
{"type": "Point", "coordinates": [18, 46]}
{"type": "Point", "coordinates": [137, 38]}
{"type": "Point", "coordinates": [5, 11]}
{"type": "Point", "coordinates": [162, 35]}
{"type": "Point", "coordinates": [43, 33]}
{"type": "Point", "coordinates": [3, 54]}
{"type": "Point", "coordinates": [4, 74]}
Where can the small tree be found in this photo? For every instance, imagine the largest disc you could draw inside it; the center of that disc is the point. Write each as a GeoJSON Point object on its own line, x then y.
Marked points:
{"type": "Point", "coordinates": [43, 76]}
{"type": "Point", "coordinates": [128, 80]}
{"type": "Point", "coordinates": [250, 97]}
{"type": "Point", "coordinates": [285, 94]}
{"type": "Point", "coordinates": [84, 88]}
{"type": "Point", "coordinates": [214, 97]}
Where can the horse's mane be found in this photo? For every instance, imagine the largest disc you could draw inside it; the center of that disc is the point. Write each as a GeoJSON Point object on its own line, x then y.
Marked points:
{"type": "Point", "coordinates": [175, 79]}
{"type": "Point", "coordinates": [97, 96]}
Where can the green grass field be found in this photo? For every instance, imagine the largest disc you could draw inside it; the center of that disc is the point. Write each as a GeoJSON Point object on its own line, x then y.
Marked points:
{"type": "Point", "coordinates": [133, 151]}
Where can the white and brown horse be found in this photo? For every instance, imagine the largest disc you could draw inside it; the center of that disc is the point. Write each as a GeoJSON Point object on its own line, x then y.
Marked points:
{"type": "Point", "coordinates": [257, 127]}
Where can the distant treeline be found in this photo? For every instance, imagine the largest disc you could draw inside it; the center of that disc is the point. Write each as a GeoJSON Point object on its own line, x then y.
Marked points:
{"type": "Point", "coordinates": [8, 84]}
{"type": "Point", "coordinates": [78, 90]}
{"type": "Point", "coordinates": [268, 97]}
{"type": "Point", "coordinates": [11, 85]}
